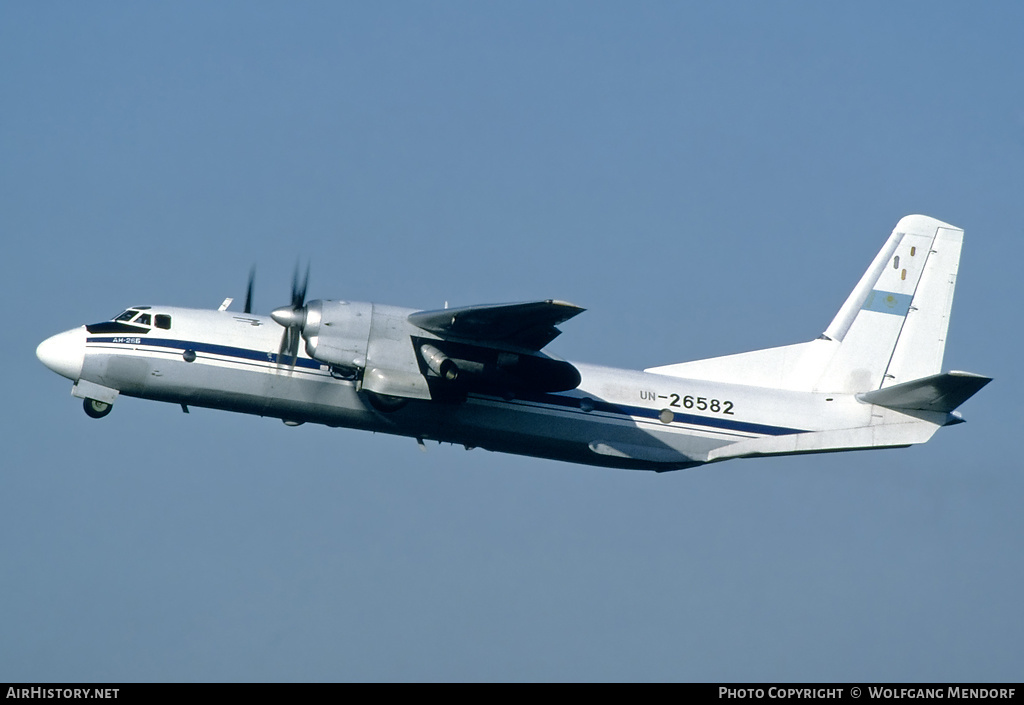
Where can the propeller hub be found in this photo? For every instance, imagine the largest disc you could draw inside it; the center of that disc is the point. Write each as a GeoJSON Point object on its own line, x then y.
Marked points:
{"type": "Point", "coordinates": [289, 317]}
{"type": "Point", "coordinates": [293, 319]}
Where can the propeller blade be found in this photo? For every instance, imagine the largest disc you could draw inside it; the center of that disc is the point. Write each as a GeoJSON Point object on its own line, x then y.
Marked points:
{"type": "Point", "coordinates": [299, 292]}
{"type": "Point", "coordinates": [248, 291]}
{"type": "Point", "coordinates": [293, 346]}
{"type": "Point", "coordinates": [288, 352]}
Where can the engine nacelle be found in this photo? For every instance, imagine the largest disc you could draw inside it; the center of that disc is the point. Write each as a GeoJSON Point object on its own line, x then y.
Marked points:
{"type": "Point", "coordinates": [338, 332]}
{"type": "Point", "coordinates": [368, 342]}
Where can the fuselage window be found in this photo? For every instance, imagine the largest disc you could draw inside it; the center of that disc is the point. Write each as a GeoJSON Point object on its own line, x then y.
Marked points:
{"type": "Point", "coordinates": [144, 320]}
{"type": "Point", "coordinates": [163, 321]}
{"type": "Point", "coordinates": [127, 315]}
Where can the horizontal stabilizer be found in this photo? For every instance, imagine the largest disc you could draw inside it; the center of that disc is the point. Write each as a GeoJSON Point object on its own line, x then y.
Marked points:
{"type": "Point", "coordinates": [943, 392]}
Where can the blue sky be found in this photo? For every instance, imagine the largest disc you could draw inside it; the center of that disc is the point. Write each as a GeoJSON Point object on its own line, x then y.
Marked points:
{"type": "Point", "coordinates": [703, 179]}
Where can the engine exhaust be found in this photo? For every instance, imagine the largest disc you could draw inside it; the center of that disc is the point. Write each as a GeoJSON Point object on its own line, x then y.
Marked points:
{"type": "Point", "coordinates": [439, 363]}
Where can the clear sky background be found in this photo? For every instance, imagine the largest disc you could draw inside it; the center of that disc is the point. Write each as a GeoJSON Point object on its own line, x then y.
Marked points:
{"type": "Point", "coordinates": [705, 178]}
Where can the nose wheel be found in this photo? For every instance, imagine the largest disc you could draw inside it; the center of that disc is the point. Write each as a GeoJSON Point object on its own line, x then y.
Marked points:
{"type": "Point", "coordinates": [96, 409]}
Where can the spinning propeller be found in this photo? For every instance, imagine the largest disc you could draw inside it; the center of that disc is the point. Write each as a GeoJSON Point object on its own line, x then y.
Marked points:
{"type": "Point", "coordinates": [292, 317]}
{"type": "Point", "coordinates": [248, 291]}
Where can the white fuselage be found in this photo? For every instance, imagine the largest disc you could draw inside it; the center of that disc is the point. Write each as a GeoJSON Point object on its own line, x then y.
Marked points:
{"type": "Point", "coordinates": [616, 418]}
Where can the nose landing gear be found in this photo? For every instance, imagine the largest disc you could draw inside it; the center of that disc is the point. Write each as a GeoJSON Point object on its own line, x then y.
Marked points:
{"type": "Point", "coordinates": [96, 409]}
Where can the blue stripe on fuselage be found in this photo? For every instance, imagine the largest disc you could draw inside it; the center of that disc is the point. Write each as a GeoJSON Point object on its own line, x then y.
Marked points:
{"type": "Point", "coordinates": [643, 412]}
{"type": "Point", "coordinates": [558, 400]}
{"type": "Point", "coordinates": [212, 349]}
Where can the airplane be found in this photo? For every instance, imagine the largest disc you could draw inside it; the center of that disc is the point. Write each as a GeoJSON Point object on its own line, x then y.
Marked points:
{"type": "Point", "coordinates": [477, 376]}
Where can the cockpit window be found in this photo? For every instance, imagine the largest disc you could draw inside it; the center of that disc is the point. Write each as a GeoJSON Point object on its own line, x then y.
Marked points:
{"type": "Point", "coordinates": [163, 321]}
{"type": "Point", "coordinates": [144, 320]}
{"type": "Point", "coordinates": [126, 316]}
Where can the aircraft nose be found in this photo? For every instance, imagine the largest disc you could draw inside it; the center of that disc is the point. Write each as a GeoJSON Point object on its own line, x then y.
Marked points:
{"type": "Point", "coordinates": [64, 353]}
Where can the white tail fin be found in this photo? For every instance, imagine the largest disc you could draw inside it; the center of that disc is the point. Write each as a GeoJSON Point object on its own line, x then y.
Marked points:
{"type": "Point", "coordinates": [891, 329]}
{"type": "Point", "coordinates": [893, 326]}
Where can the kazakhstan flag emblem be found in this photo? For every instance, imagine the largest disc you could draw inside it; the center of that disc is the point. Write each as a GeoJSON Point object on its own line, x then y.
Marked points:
{"type": "Point", "coordinates": [888, 302]}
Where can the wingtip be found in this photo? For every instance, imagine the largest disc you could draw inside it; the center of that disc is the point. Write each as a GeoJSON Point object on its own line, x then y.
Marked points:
{"type": "Point", "coordinates": [566, 304]}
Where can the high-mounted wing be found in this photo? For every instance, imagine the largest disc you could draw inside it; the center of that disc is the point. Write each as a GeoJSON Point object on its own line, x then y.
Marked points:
{"type": "Point", "coordinates": [529, 325]}
{"type": "Point", "coordinates": [494, 348]}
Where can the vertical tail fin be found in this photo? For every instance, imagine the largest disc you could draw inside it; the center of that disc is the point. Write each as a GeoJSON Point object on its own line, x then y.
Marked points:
{"type": "Point", "coordinates": [892, 328]}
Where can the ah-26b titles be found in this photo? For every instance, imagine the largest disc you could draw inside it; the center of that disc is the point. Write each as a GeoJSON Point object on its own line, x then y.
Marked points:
{"type": "Point", "coordinates": [478, 376]}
